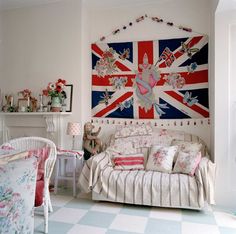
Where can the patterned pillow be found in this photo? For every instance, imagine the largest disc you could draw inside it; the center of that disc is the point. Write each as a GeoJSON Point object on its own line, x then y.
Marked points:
{"type": "Point", "coordinates": [133, 130]}
{"type": "Point", "coordinates": [161, 158]}
{"type": "Point", "coordinates": [164, 137]}
{"type": "Point", "coordinates": [187, 147]}
{"type": "Point", "coordinates": [129, 162]}
{"type": "Point", "coordinates": [187, 162]}
{"type": "Point", "coordinates": [124, 147]}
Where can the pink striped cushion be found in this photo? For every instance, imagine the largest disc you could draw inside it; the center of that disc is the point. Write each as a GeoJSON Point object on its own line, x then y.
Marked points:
{"type": "Point", "coordinates": [42, 154]}
{"type": "Point", "coordinates": [129, 162]}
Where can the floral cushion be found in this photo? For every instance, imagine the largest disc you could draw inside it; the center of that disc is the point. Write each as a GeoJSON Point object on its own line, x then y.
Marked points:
{"type": "Point", "coordinates": [161, 158]}
{"type": "Point", "coordinates": [129, 162]}
{"type": "Point", "coordinates": [17, 191]}
{"type": "Point", "coordinates": [133, 130]}
{"type": "Point", "coordinates": [187, 147]}
{"type": "Point", "coordinates": [187, 162]}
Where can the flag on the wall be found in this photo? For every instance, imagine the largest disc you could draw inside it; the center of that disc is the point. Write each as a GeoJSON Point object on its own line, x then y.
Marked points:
{"type": "Point", "coordinates": [166, 79]}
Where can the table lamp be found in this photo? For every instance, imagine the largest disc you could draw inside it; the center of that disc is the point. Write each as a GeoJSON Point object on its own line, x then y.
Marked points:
{"type": "Point", "coordinates": [73, 129]}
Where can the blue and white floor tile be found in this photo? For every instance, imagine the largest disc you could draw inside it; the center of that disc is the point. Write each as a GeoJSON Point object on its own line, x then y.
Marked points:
{"type": "Point", "coordinates": [82, 216]}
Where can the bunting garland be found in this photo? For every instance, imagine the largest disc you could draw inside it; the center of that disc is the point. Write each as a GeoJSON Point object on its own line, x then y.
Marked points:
{"type": "Point", "coordinates": [153, 19]}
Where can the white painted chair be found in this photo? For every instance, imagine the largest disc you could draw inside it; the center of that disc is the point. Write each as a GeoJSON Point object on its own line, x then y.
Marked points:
{"type": "Point", "coordinates": [33, 143]}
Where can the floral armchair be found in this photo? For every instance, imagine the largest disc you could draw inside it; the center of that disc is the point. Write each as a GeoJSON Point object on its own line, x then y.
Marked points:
{"type": "Point", "coordinates": [17, 193]}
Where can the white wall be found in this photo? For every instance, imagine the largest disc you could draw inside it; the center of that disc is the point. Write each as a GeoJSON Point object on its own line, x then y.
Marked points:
{"type": "Point", "coordinates": [214, 4]}
{"type": "Point", "coordinates": [225, 105]}
{"type": "Point", "coordinates": [46, 42]}
{"type": "Point", "coordinates": [1, 58]}
{"type": "Point", "coordinates": [42, 44]}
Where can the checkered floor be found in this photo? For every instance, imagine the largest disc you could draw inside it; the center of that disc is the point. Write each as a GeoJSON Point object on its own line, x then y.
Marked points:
{"type": "Point", "coordinates": [84, 216]}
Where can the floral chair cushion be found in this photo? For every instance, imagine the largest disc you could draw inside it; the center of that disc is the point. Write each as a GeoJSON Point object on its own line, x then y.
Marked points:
{"type": "Point", "coordinates": [161, 158]}
{"type": "Point", "coordinates": [17, 192]}
{"type": "Point", "coordinates": [187, 163]}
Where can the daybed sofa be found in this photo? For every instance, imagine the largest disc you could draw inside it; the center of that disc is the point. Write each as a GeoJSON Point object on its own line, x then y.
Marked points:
{"type": "Point", "coordinates": [127, 184]}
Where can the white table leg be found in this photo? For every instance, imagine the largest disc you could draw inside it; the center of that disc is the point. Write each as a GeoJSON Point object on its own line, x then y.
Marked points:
{"type": "Point", "coordinates": [74, 176]}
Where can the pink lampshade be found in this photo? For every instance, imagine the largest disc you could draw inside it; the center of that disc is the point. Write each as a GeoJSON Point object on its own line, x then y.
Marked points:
{"type": "Point", "coordinates": [73, 129]}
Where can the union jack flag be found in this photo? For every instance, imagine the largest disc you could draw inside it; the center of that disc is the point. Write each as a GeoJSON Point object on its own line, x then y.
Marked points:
{"type": "Point", "coordinates": [156, 79]}
{"type": "Point", "coordinates": [168, 56]}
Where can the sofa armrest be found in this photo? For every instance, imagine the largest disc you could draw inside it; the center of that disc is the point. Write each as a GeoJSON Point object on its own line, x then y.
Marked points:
{"type": "Point", "coordinates": [205, 175]}
{"type": "Point", "coordinates": [91, 171]}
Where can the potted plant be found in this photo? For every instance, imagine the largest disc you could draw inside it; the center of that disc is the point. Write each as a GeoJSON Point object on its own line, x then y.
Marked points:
{"type": "Point", "coordinates": [57, 94]}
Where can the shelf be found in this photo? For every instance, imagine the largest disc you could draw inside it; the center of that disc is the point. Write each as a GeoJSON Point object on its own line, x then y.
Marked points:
{"type": "Point", "coordinates": [35, 113]}
{"type": "Point", "coordinates": [51, 125]}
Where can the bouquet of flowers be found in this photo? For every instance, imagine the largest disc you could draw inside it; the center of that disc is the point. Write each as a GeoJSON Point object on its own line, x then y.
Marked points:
{"type": "Point", "coordinates": [56, 89]}
{"type": "Point", "coordinates": [25, 93]}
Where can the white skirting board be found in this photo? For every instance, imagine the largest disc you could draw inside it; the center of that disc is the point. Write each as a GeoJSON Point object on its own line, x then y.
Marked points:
{"type": "Point", "coordinates": [199, 127]}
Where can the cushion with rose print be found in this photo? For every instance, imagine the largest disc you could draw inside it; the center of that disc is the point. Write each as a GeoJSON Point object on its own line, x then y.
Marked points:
{"type": "Point", "coordinates": [161, 158]}
{"type": "Point", "coordinates": [187, 163]}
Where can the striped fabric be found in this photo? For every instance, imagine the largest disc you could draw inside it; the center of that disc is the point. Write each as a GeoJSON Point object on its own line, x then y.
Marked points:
{"type": "Point", "coordinates": [129, 162]}
{"type": "Point", "coordinates": [148, 187]}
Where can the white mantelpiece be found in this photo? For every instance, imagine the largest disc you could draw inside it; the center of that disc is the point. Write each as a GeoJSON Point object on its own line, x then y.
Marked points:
{"type": "Point", "coordinates": [44, 124]}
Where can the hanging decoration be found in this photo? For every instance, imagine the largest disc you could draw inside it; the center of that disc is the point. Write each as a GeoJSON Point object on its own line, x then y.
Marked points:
{"type": "Point", "coordinates": [161, 79]}
{"type": "Point", "coordinates": [142, 18]}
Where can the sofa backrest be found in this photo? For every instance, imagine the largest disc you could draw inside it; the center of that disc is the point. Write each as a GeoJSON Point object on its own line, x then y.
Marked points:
{"type": "Point", "coordinates": [143, 137]}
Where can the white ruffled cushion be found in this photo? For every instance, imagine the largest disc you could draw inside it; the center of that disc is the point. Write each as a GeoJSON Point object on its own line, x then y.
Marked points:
{"type": "Point", "coordinates": [133, 130]}
{"type": "Point", "coordinates": [161, 158]}
{"type": "Point", "coordinates": [187, 163]}
{"type": "Point", "coordinates": [164, 137]}
{"type": "Point", "coordinates": [122, 148]}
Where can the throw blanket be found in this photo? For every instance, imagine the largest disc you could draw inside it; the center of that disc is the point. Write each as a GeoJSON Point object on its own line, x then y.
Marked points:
{"type": "Point", "coordinates": [11, 155]}
{"type": "Point", "coordinates": [148, 187]}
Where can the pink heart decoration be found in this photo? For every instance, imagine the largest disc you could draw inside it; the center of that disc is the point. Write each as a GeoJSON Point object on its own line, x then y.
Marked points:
{"type": "Point", "coordinates": [152, 82]}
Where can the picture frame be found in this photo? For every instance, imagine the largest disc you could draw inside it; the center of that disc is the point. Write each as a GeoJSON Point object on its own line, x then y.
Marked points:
{"type": "Point", "coordinates": [69, 95]}
{"type": "Point", "coordinates": [22, 104]}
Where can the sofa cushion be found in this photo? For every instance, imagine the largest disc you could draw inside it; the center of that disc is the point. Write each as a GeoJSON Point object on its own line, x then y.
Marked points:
{"type": "Point", "coordinates": [187, 147]}
{"type": "Point", "coordinates": [124, 147]}
{"type": "Point", "coordinates": [164, 137]}
{"type": "Point", "coordinates": [129, 162]}
{"type": "Point", "coordinates": [187, 163]}
{"type": "Point", "coordinates": [161, 158]}
{"type": "Point", "coordinates": [133, 130]}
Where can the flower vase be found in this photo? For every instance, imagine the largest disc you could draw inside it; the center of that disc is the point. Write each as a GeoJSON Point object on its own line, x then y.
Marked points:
{"type": "Point", "coordinates": [56, 104]}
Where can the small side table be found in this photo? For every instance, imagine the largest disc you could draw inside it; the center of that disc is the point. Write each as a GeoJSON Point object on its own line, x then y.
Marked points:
{"type": "Point", "coordinates": [62, 157]}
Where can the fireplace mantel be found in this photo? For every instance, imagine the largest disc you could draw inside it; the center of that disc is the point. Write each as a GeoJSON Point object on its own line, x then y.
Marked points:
{"type": "Point", "coordinates": [44, 124]}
